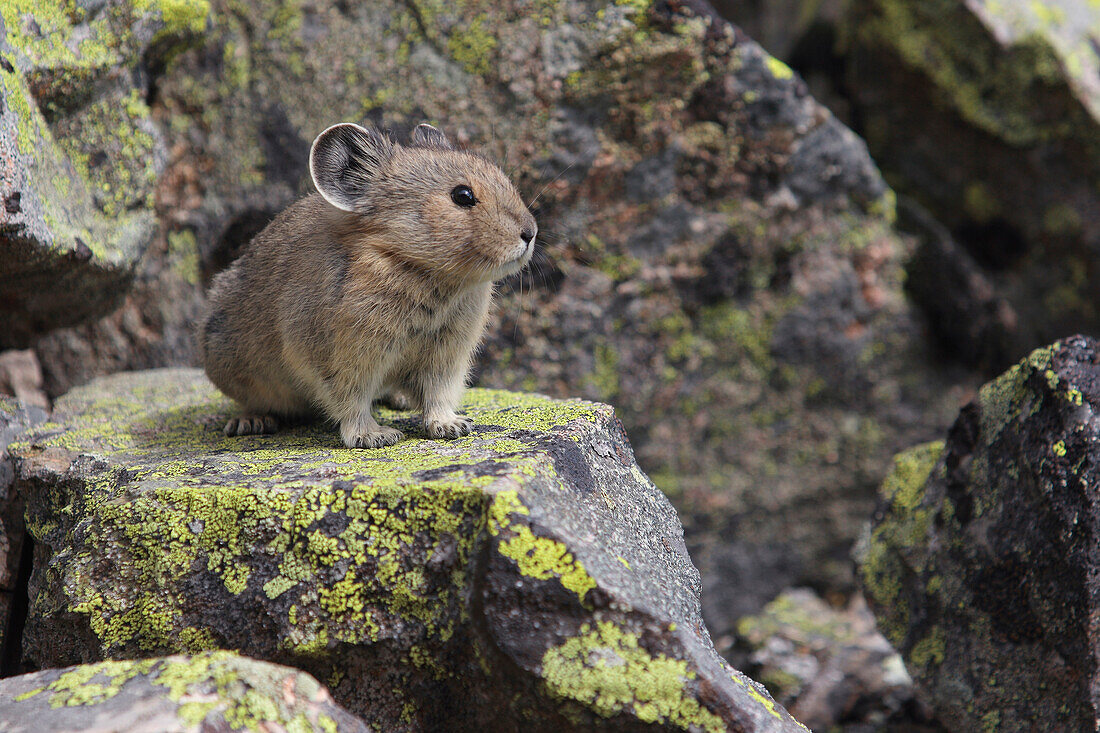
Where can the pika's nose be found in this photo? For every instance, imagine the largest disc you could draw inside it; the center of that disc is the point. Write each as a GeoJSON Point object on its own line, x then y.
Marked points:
{"type": "Point", "coordinates": [527, 235]}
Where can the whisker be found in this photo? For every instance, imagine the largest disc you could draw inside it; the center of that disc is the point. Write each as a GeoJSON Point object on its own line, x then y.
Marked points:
{"type": "Point", "coordinates": [555, 178]}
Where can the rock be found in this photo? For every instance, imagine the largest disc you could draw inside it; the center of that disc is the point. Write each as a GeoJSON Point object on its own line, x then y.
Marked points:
{"type": "Point", "coordinates": [21, 377]}
{"type": "Point", "coordinates": [720, 263]}
{"type": "Point", "coordinates": [989, 114]}
{"type": "Point", "coordinates": [530, 572]}
{"type": "Point", "coordinates": [830, 666]}
{"type": "Point", "coordinates": [211, 691]}
{"type": "Point", "coordinates": [79, 152]}
{"type": "Point", "coordinates": [16, 418]}
{"type": "Point", "coordinates": [981, 564]}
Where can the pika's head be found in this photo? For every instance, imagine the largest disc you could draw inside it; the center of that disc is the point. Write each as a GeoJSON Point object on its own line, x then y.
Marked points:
{"type": "Point", "coordinates": [441, 208]}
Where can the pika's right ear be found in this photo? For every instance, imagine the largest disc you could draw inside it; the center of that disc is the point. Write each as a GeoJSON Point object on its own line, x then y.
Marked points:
{"type": "Point", "coordinates": [345, 160]}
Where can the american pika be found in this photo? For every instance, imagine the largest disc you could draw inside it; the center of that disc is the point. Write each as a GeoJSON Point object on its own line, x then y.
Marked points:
{"type": "Point", "coordinates": [379, 284]}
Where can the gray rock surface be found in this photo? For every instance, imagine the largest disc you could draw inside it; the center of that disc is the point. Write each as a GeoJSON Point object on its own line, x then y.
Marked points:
{"type": "Point", "coordinates": [16, 418]}
{"type": "Point", "coordinates": [529, 574]}
{"type": "Point", "coordinates": [214, 691]}
{"type": "Point", "coordinates": [79, 153]}
{"type": "Point", "coordinates": [981, 566]}
{"type": "Point", "coordinates": [988, 113]}
{"type": "Point", "coordinates": [719, 263]}
{"type": "Point", "coordinates": [830, 666]}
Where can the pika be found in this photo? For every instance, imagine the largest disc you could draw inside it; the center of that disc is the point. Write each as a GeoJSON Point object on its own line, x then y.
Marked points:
{"type": "Point", "coordinates": [377, 285]}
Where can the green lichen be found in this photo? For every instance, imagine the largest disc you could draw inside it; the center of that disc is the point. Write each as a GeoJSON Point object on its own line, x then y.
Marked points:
{"type": "Point", "coordinates": [606, 669]}
{"type": "Point", "coordinates": [183, 255]}
{"type": "Point", "coordinates": [778, 69]}
{"type": "Point", "coordinates": [189, 498]}
{"type": "Point", "coordinates": [111, 145]}
{"type": "Point", "coordinates": [542, 558]}
{"type": "Point", "coordinates": [536, 557]}
{"type": "Point", "coordinates": [996, 88]}
{"type": "Point", "coordinates": [904, 485]}
{"type": "Point", "coordinates": [1002, 400]}
{"type": "Point", "coordinates": [979, 203]}
{"type": "Point", "coordinates": [906, 525]}
{"type": "Point", "coordinates": [929, 650]}
{"type": "Point", "coordinates": [249, 695]}
{"type": "Point", "coordinates": [473, 46]}
{"type": "Point", "coordinates": [755, 694]}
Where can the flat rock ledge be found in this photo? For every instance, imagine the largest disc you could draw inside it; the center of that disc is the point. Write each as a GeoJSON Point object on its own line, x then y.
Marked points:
{"type": "Point", "coordinates": [213, 691]}
{"type": "Point", "coordinates": [527, 575]}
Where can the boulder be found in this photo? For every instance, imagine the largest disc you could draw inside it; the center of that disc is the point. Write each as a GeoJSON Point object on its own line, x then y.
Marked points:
{"type": "Point", "coordinates": [720, 263]}
{"type": "Point", "coordinates": [528, 573]}
{"type": "Point", "coordinates": [981, 566]}
{"type": "Point", "coordinates": [988, 113]}
{"type": "Point", "coordinates": [830, 666]}
{"type": "Point", "coordinates": [16, 417]}
{"type": "Point", "coordinates": [210, 691]}
{"type": "Point", "coordinates": [79, 153]}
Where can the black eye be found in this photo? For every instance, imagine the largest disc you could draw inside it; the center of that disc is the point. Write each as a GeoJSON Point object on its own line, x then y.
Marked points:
{"type": "Point", "coordinates": [463, 196]}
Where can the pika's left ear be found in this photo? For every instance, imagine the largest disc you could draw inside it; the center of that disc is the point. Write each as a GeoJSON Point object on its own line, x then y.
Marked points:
{"type": "Point", "coordinates": [426, 136]}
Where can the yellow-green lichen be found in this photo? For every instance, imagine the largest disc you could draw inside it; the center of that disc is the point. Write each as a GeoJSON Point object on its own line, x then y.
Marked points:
{"type": "Point", "coordinates": [249, 695]}
{"type": "Point", "coordinates": [608, 671]}
{"type": "Point", "coordinates": [183, 497]}
{"type": "Point", "coordinates": [536, 557]}
{"type": "Point", "coordinates": [906, 525]}
{"type": "Point", "coordinates": [778, 69]}
{"type": "Point", "coordinates": [473, 46]}
{"type": "Point", "coordinates": [929, 650]}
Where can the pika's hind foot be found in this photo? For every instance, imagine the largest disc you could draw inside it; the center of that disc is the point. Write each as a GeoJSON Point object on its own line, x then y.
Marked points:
{"type": "Point", "coordinates": [455, 426]}
{"type": "Point", "coordinates": [379, 438]}
{"type": "Point", "coordinates": [251, 425]}
{"type": "Point", "coordinates": [397, 401]}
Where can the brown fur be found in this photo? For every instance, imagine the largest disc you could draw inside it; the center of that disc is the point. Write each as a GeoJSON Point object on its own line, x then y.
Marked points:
{"type": "Point", "coordinates": [330, 309]}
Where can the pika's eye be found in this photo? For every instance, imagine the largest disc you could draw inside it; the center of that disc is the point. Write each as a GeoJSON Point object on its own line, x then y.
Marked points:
{"type": "Point", "coordinates": [463, 196]}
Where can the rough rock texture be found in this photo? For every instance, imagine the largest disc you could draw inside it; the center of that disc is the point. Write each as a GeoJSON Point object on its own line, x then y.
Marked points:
{"type": "Point", "coordinates": [530, 572]}
{"type": "Point", "coordinates": [213, 691]}
{"type": "Point", "coordinates": [15, 419]}
{"type": "Point", "coordinates": [988, 113]}
{"type": "Point", "coordinates": [21, 378]}
{"type": "Point", "coordinates": [79, 153]}
{"type": "Point", "coordinates": [981, 567]}
{"type": "Point", "coordinates": [830, 666]}
{"type": "Point", "coordinates": [717, 256]}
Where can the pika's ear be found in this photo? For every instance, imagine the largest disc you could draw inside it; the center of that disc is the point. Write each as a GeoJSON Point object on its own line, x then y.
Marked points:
{"type": "Point", "coordinates": [426, 136]}
{"type": "Point", "coordinates": [345, 160]}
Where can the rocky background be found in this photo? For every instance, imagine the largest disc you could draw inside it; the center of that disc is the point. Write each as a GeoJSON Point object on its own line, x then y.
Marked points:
{"type": "Point", "coordinates": [774, 303]}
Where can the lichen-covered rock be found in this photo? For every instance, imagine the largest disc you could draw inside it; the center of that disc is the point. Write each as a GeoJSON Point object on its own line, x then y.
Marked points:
{"type": "Point", "coordinates": [16, 418]}
{"type": "Point", "coordinates": [830, 666]}
{"type": "Point", "coordinates": [981, 566]}
{"type": "Point", "coordinates": [717, 256]}
{"type": "Point", "coordinates": [529, 572]}
{"type": "Point", "coordinates": [79, 153]}
{"type": "Point", "coordinates": [211, 691]}
{"type": "Point", "coordinates": [989, 114]}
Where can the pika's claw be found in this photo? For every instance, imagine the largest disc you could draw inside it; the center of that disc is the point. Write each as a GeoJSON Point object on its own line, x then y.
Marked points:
{"type": "Point", "coordinates": [454, 427]}
{"type": "Point", "coordinates": [375, 439]}
{"type": "Point", "coordinates": [251, 425]}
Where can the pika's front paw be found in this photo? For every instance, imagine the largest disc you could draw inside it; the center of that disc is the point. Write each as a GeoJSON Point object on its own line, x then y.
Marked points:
{"type": "Point", "coordinates": [379, 438]}
{"type": "Point", "coordinates": [251, 425]}
{"type": "Point", "coordinates": [453, 427]}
